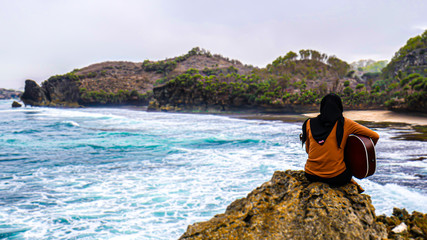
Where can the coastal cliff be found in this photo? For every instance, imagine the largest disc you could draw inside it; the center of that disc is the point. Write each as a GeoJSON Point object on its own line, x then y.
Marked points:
{"type": "Point", "coordinates": [405, 77]}
{"type": "Point", "coordinates": [290, 207]}
{"type": "Point", "coordinates": [122, 83]}
{"type": "Point", "coordinates": [193, 93]}
{"type": "Point", "coordinates": [291, 83]}
{"type": "Point", "coordinates": [201, 81]}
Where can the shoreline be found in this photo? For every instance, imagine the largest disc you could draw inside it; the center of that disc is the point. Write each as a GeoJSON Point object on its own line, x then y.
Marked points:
{"type": "Point", "coordinates": [414, 122]}
{"type": "Point", "coordinates": [382, 116]}
{"type": "Point", "coordinates": [374, 116]}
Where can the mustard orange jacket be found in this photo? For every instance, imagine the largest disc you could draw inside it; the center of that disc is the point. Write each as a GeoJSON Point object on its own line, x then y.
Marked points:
{"type": "Point", "coordinates": [327, 160]}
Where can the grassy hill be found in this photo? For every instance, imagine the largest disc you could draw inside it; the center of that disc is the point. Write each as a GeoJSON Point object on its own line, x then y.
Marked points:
{"type": "Point", "coordinates": [199, 80]}
{"type": "Point", "coordinates": [121, 82]}
{"type": "Point", "coordinates": [142, 77]}
{"type": "Point", "coordinates": [293, 82]}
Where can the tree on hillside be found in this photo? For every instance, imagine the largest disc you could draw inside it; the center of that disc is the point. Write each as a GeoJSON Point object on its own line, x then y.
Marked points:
{"type": "Point", "coordinates": [324, 57]}
{"type": "Point", "coordinates": [315, 55]}
{"type": "Point", "coordinates": [305, 54]}
{"type": "Point", "coordinates": [338, 65]}
{"type": "Point", "coordinates": [290, 56]}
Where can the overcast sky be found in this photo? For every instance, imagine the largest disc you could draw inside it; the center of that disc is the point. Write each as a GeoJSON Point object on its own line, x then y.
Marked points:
{"type": "Point", "coordinates": [48, 37]}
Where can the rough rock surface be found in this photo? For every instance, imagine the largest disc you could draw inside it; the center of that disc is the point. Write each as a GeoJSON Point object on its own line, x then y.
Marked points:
{"type": "Point", "coordinates": [412, 62]}
{"type": "Point", "coordinates": [62, 90]}
{"type": "Point", "coordinates": [290, 207]}
{"type": "Point", "coordinates": [58, 92]}
{"type": "Point", "coordinates": [416, 224]}
{"type": "Point", "coordinates": [34, 95]}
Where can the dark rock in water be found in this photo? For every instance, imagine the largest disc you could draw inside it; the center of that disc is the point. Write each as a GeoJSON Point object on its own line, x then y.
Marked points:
{"type": "Point", "coordinates": [55, 92]}
{"type": "Point", "coordinates": [62, 90]}
{"type": "Point", "coordinates": [290, 207]}
{"type": "Point", "coordinates": [34, 95]}
{"type": "Point", "coordinates": [16, 104]}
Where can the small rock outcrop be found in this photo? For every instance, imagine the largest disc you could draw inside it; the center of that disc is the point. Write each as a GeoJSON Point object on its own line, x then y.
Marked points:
{"type": "Point", "coordinates": [402, 225]}
{"type": "Point", "coordinates": [34, 95]}
{"type": "Point", "coordinates": [290, 207]}
{"type": "Point", "coordinates": [57, 91]}
{"type": "Point", "coordinates": [16, 104]}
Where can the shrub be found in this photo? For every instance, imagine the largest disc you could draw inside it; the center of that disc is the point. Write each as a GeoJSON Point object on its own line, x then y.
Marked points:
{"type": "Point", "coordinates": [91, 75]}
{"type": "Point", "coordinates": [360, 86]}
{"type": "Point", "coordinates": [346, 83]}
{"type": "Point", "coordinates": [348, 91]}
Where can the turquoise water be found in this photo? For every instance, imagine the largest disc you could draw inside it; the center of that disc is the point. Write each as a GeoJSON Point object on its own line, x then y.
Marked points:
{"type": "Point", "coordinates": [100, 173]}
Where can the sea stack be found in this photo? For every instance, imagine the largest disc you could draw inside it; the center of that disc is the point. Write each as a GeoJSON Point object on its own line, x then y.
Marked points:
{"type": "Point", "coordinates": [34, 95]}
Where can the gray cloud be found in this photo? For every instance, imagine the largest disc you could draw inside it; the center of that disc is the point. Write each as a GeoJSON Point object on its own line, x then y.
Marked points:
{"type": "Point", "coordinates": [44, 38]}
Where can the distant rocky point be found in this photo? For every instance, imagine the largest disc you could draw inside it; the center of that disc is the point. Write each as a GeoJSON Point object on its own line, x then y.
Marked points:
{"type": "Point", "coordinates": [9, 94]}
{"type": "Point", "coordinates": [290, 207]}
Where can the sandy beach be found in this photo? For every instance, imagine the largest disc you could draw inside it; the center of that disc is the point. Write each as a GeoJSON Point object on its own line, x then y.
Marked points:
{"type": "Point", "coordinates": [375, 116]}
{"type": "Point", "coordinates": [370, 118]}
{"type": "Point", "coordinates": [382, 116]}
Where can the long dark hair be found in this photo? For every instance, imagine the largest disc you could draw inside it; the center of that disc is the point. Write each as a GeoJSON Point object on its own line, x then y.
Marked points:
{"type": "Point", "coordinates": [331, 110]}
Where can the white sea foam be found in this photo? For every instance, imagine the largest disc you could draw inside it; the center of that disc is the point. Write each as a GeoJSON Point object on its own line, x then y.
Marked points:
{"type": "Point", "coordinates": [71, 123]}
{"type": "Point", "coordinates": [385, 197]}
{"type": "Point", "coordinates": [122, 174]}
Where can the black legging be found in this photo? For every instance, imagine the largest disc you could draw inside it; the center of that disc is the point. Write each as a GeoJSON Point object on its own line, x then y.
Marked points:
{"type": "Point", "coordinates": [337, 181]}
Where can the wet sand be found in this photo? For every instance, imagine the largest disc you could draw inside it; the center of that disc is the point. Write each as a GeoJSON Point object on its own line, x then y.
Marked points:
{"type": "Point", "coordinates": [416, 123]}
{"type": "Point", "coordinates": [378, 116]}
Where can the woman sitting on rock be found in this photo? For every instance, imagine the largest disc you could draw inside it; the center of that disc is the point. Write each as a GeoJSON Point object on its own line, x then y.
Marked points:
{"type": "Point", "coordinates": [325, 137]}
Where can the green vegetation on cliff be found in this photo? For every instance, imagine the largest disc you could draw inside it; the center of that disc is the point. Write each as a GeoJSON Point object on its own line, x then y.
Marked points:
{"type": "Point", "coordinates": [166, 66]}
{"type": "Point", "coordinates": [68, 76]}
{"type": "Point", "coordinates": [418, 43]}
{"type": "Point", "coordinates": [406, 76]}
{"type": "Point", "coordinates": [289, 80]}
{"type": "Point", "coordinates": [121, 97]}
{"type": "Point", "coordinates": [199, 78]}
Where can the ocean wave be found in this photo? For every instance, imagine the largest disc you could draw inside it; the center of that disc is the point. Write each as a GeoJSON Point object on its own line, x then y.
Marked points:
{"type": "Point", "coordinates": [71, 123]}
{"type": "Point", "coordinates": [140, 175]}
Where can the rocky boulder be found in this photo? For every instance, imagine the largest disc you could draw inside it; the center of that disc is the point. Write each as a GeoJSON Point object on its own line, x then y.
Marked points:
{"type": "Point", "coordinates": [402, 225]}
{"type": "Point", "coordinates": [57, 91]}
{"type": "Point", "coordinates": [62, 90]}
{"type": "Point", "coordinates": [290, 207]}
{"type": "Point", "coordinates": [16, 104]}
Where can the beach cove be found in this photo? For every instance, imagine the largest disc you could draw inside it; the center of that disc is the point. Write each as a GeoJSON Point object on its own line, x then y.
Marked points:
{"type": "Point", "coordinates": [112, 172]}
